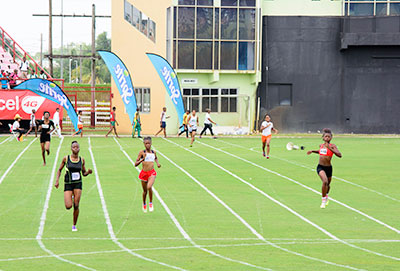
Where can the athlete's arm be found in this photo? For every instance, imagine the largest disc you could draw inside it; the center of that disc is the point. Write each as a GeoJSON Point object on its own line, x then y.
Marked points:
{"type": "Point", "coordinates": [263, 127]}
{"type": "Point", "coordinates": [52, 125]}
{"type": "Point", "coordinates": [212, 121]}
{"type": "Point", "coordinates": [59, 171]}
{"type": "Point", "coordinates": [275, 130]}
{"type": "Point", "coordinates": [335, 150]}
{"type": "Point", "coordinates": [310, 152]}
{"type": "Point", "coordinates": [188, 121]}
{"type": "Point", "coordinates": [84, 171]}
{"type": "Point", "coordinates": [140, 159]}
{"type": "Point", "coordinates": [156, 159]}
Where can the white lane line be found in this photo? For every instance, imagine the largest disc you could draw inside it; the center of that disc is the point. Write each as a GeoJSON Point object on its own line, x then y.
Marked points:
{"type": "Point", "coordinates": [179, 226]}
{"type": "Point", "coordinates": [44, 214]}
{"type": "Point", "coordinates": [5, 140]}
{"type": "Point", "coordinates": [108, 220]}
{"type": "Point", "coordinates": [304, 186]}
{"type": "Point", "coordinates": [244, 222]}
{"type": "Point", "coordinates": [288, 208]}
{"type": "Point", "coordinates": [312, 169]}
{"type": "Point", "coordinates": [15, 161]}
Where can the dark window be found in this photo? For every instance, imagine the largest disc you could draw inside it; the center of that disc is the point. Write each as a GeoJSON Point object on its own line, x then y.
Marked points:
{"type": "Point", "coordinates": [361, 9]}
{"type": "Point", "coordinates": [247, 24]}
{"type": "Point", "coordinates": [204, 23]}
{"type": "Point", "coordinates": [247, 3]}
{"type": "Point", "coordinates": [228, 55]}
{"type": "Point", "coordinates": [229, 2]}
{"type": "Point", "coordinates": [381, 9]}
{"type": "Point", "coordinates": [186, 23]}
{"type": "Point", "coordinates": [229, 23]}
{"type": "Point", "coordinates": [185, 54]}
{"type": "Point", "coordinates": [216, 19]}
{"type": "Point", "coordinates": [205, 2]}
{"type": "Point", "coordinates": [216, 54]}
{"type": "Point", "coordinates": [285, 95]}
{"type": "Point", "coordinates": [186, 2]}
{"type": "Point", "coordinates": [394, 9]}
{"type": "Point", "coordinates": [204, 55]}
{"type": "Point", "coordinates": [143, 99]}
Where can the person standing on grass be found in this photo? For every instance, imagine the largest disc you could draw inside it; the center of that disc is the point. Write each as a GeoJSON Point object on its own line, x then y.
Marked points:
{"type": "Point", "coordinates": [184, 124]}
{"type": "Point", "coordinates": [32, 123]}
{"type": "Point", "coordinates": [56, 120]}
{"type": "Point", "coordinates": [193, 122]}
{"type": "Point", "coordinates": [136, 124]}
{"type": "Point", "coordinates": [73, 180]}
{"type": "Point", "coordinates": [46, 127]}
{"type": "Point", "coordinates": [113, 120]}
{"type": "Point", "coordinates": [208, 122]}
{"type": "Point", "coordinates": [266, 133]}
{"type": "Point", "coordinates": [324, 168]}
{"type": "Point", "coordinates": [80, 124]}
{"type": "Point", "coordinates": [163, 123]}
{"type": "Point", "coordinates": [148, 175]}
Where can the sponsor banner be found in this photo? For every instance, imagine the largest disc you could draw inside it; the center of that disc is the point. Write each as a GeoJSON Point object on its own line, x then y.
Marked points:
{"type": "Point", "coordinates": [171, 83]}
{"type": "Point", "coordinates": [22, 102]}
{"type": "Point", "coordinates": [52, 92]}
{"type": "Point", "coordinates": [122, 79]}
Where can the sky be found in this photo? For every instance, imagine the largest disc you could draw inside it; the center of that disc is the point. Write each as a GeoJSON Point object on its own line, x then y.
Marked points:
{"type": "Point", "coordinates": [25, 29]}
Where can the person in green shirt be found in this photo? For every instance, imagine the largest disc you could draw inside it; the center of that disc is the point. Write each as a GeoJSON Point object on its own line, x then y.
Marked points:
{"type": "Point", "coordinates": [136, 124]}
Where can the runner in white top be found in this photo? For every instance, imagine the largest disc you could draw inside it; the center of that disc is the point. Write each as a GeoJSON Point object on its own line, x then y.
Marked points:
{"type": "Point", "coordinates": [193, 122]}
{"type": "Point", "coordinates": [56, 120]}
{"type": "Point", "coordinates": [266, 128]}
{"type": "Point", "coordinates": [208, 122]}
{"type": "Point", "coordinates": [32, 123]}
{"type": "Point", "coordinates": [163, 123]}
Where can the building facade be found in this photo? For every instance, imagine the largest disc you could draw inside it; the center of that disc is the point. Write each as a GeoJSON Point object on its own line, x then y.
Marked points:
{"type": "Point", "coordinates": [310, 64]}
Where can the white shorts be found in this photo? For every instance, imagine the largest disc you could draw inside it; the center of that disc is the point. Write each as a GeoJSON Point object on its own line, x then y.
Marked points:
{"type": "Point", "coordinates": [32, 124]}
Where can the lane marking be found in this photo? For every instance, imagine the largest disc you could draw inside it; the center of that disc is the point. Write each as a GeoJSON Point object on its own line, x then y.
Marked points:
{"type": "Point", "coordinates": [312, 169]}
{"type": "Point", "coordinates": [15, 161]}
{"type": "Point", "coordinates": [44, 214]}
{"type": "Point", "coordinates": [304, 186]}
{"type": "Point", "coordinates": [5, 140]}
{"type": "Point", "coordinates": [108, 220]}
{"type": "Point", "coordinates": [285, 206]}
{"type": "Point", "coordinates": [178, 225]}
{"type": "Point", "coordinates": [244, 222]}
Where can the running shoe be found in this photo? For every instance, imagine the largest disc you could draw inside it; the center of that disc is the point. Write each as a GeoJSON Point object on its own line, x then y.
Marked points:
{"type": "Point", "coordinates": [264, 153]}
{"type": "Point", "coordinates": [267, 156]}
{"type": "Point", "coordinates": [151, 209]}
{"type": "Point", "coordinates": [327, 201]}
{"type": "Point", "coordinates": [144, 208]}
{"type": "Point", "coordinates": [323, 204]}
{"type": "Point", "coordinates": [191, 146]}
{"type": "Point", "coordinates": [74, 228]}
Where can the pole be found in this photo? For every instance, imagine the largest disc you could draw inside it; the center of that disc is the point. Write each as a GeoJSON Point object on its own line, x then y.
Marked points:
{"type": "Point", "coordinates": [62, 41]}
{"type": "Point", "coordinates": [41, 50]}
{"type": "Point", "coordinates": [50, 39]}
{"type": "Point", "coordinates": [93, 83]}
{"type": "Point", "coordinates": [70, 60]}
{"type": "Point", "coordinates": [80, 64]}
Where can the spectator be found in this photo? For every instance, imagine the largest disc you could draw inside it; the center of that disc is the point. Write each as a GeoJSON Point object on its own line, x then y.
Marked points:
{"type": "Point", "coordinates": [13, 78]}
{"type": "Point", "coordinates": [16, 127]}
{"type": "Point", "coordinates": [23, 66]}
{"type": "Point", "coordinates": [32, 75]}
{"type": "Point", "coordinates": [42, 75]}
{"type": "Point", "coordinates": [4, 80]}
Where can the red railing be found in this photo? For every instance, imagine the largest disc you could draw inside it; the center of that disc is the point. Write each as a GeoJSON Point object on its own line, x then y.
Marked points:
{"type": "Point", "coordinates": [17, 51]}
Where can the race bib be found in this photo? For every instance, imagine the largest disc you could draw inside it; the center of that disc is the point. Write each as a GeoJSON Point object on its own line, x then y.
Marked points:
{"type": "Point", "coordinates": [75, 176]}
{"type": "Point", "coordinates": [323, 151]}
{"type": "Point", "coordinates": [45, 126]}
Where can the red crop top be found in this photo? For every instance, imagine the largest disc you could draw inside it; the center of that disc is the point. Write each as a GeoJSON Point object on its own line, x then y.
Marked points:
{"type": "Point", "coordinates": [325, 151]}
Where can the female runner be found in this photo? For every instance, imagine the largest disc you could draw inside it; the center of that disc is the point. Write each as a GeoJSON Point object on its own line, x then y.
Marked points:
{"type": "Point", "coordinates": [46, 127]}
{"type": "Point", "coordinates": [324, 168]}
{"type": "Point", "coordinates": [193, 122]}
{"type": "Point", "coordinates": [148, 175]}
{"type": "Point", "coordinates": [266, 128]}
{"type": "Point", "coordinates": [73, 180]}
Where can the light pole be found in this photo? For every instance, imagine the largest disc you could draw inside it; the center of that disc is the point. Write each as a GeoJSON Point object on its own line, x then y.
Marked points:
{"type": "Point", "coordinates": [70, 61]}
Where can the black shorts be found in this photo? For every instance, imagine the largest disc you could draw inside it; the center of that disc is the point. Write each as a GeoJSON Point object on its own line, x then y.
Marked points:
{"type": "Point", "coordinates": [163, 124]}
{"type": "Point", "coordinates": [327, 169]}
{"type": "Point", "coordinates": [72, 186]}
{"type": "Point", "coordinates": [44, 138]}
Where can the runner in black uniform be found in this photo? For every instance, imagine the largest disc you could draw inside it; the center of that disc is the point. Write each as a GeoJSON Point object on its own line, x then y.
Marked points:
{"type": "Point", "coordinates": [73, 180]}
{"type": "Point", "coordinates": [46, 126]}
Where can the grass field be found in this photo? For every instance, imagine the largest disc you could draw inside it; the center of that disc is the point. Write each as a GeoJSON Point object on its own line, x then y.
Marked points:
{"type": "Point", "coordinates": [219, 206]}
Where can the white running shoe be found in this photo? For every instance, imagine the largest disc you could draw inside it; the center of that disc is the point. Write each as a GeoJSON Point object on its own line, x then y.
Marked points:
{"type": "Point", "coordinates": [144, 207]}
{"type": "Point", "coordinates": [151, 209]}
{"type": "Point", "coordinates": [74, 228]}
{"type": "Point", "coordinates": [323, 204]}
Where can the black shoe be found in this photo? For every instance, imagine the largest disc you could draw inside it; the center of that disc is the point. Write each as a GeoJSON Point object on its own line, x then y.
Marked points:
{"type": "Point", "coordinates": [140, 137]}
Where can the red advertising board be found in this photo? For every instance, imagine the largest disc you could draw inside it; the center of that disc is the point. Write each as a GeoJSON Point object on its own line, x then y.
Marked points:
{"type": "Point", "coordinates": [22, 102]}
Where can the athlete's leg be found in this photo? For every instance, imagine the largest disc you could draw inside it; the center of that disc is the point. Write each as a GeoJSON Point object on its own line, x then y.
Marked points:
{"type": "Point", "coordinates": [193, 135]}
{"type": "Point", "coordinates": [30, 129]}
{"type": "Point", "coordinates": [325, 183]}
{"type": "Point", "coordinates": [159, 132]}
{"type": "Point", "coordinates": [43, 156]}
{"type": "Point", "coordinates": [329, 185]}
{"type": "Point", "coordinates": [144, 186]}
{"type": "Point", "coordinates": [139, 128]}
{"type": "Point", "coordinates": [187, 131]}
{"type": "Point", "coordinates": [204, 130]}
{"type": "Point", "coordinates": [268, 141]}
{"type": "Point", "coordinates": [165, 132]}
{"type": "Point", "coordinates": [263, 146]}
{"type": "Point", "coordinates": [35, 131]}
{"type": "Point", "coordinates": [150, 183]}
{"type": "Point", "coordinates": [210, 128]}
{"type": "Point", "coordinates": [47, 147]}
{"type": "Point", "coordinates": [115, 131]}
{"type": "Point", "coordinates": [77, 199]}
{"type": "Point", "coordinates": [109, 131]}
{"type": "Point", "coordinates": [68, 199]}
{"type": "Point", "coordinates": [81, 132]}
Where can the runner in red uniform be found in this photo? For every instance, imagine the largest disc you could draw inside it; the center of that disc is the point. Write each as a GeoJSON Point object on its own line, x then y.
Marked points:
{"type": "Point", "coordinates": [324, 168]}
{"type": "Point", "coordinates": [148, 175]}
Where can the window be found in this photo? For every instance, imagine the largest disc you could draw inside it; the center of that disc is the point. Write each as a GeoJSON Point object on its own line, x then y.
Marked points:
{"type": "Point", "coordinates": [279, 95]}
{"type": "Point", "coordinates": [143, 99]}
{"type": "Point", "coordinates": [206, 37]}
{"type": "Point", "coordinates": [218, 100]}
{"type": "Point", "coordinates": [371, 7]}
{"type": "Point", "coordinates": [140, 21]}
